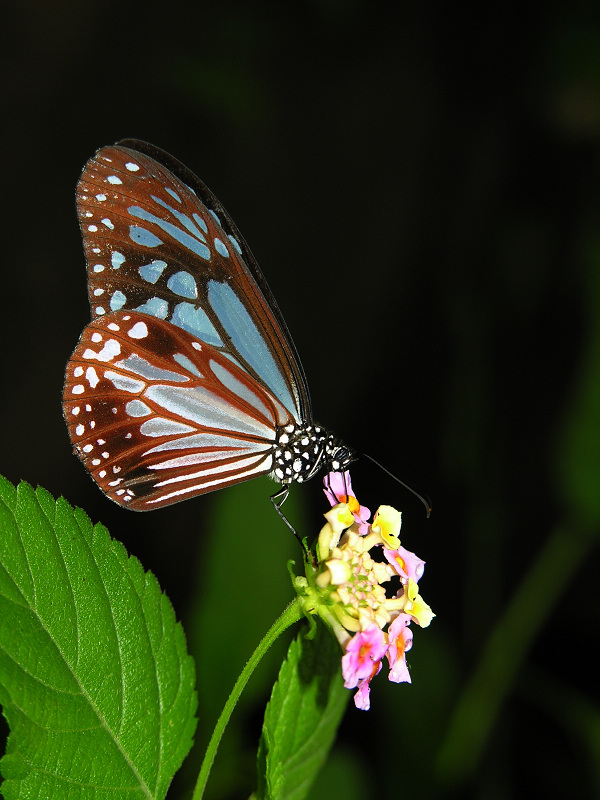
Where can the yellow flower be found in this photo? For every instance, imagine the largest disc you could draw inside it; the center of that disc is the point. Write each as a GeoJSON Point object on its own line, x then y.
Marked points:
{"type": "Point", "coordinates": [415, 606]}
{"type": "Point", "coordinates": [338, 519]}
{"type": "Point", "coordinates": [386, 524]}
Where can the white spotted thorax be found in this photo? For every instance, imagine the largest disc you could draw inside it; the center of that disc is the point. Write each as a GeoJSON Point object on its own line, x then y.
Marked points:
{"type": "Point", "coordinates": [302, 452]}
{"type": "Point", "coordinates": [186, 380]}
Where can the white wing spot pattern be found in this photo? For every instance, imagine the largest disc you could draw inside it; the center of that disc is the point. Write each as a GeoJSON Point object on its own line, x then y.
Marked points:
{"type": "Point", "coordinates": [92, 377]}
{"type": "Point", "coordinates": [138, 331]}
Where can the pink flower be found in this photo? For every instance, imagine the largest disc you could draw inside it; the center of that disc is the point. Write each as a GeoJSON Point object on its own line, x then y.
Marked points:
{"type": "Point", "coordinates": [405, 563]}
{"type": "Point", "coordinates": [338, 489]}
{"type": "Point", "coordinates": [362, 699]}
{"type": "Point", "coordinates": [400, 637]}
{"type": "Point", "coordinates": [364, 653]}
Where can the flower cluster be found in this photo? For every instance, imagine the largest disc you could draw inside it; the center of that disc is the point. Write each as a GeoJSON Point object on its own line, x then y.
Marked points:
{"type": "Point", "coordinates": [346, 588]}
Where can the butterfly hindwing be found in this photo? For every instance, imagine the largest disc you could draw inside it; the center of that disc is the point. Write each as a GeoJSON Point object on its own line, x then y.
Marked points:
{"type": "Point", "coordinates": [158, 416]}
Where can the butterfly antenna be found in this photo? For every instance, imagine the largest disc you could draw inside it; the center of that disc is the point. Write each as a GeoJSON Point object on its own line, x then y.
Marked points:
{"type": "Point", "coordinates": [424, 499]}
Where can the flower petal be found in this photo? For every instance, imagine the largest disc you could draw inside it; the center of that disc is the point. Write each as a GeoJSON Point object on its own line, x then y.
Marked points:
{"type": "Point", "coordinates": [363, 651]}
{"type": "Point", "coordinates": [387, 522]}
{"type": "Point", "coordinates": [405, 563]}
{"type": "Point", "coordinates": [400, 637]}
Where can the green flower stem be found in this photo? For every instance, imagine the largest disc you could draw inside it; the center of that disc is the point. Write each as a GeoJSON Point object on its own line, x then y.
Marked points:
{"type": "Point", "coordinates": [293, 613]}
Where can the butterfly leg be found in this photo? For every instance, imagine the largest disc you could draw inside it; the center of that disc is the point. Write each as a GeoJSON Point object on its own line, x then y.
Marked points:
{"type": "Point", "coordinates": [278, 499]}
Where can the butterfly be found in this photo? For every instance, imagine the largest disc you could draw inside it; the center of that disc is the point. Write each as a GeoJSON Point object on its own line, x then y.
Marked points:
{"type": "Point", "coordinates": [186, 380]}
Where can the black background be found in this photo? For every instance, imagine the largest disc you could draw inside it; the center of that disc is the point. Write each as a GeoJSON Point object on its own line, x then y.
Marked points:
{"type": "Point", "coordinates": [419, 183]}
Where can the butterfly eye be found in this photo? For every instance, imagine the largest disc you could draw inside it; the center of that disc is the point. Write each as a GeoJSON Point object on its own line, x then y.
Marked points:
{"type": "Point", "coordinates": [186, 380]}
{"type": "Point", "coordinates": [340, 457]}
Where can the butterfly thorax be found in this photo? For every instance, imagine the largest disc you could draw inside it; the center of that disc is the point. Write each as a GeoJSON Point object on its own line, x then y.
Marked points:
{"type": "Point", "coordinates": [301, 451]}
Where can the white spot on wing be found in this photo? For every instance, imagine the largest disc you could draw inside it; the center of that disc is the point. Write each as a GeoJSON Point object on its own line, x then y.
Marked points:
{"type": "Point", "coordinates": [219, 247]}
{"type": "Point", "coordinates": [124, 383]}
{"type": "Point", "coordinates": [118, 300]}
{"type": "Point", "coordinates": [235, 243]}
{"type": "Point", "coordinates": [139, 331]}
{"type": "Point", "coordinates": [160, 426]}
{"type": "Point", "coordinates": [111, 349]}
{"type": "Point", "coordinates": [92, 377]}
{"type": "Point", "coordinates": [136, 408]}
{"type": "Point", "coordinates": [117, 259]}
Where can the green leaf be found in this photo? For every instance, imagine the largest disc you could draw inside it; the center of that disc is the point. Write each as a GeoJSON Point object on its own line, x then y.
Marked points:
{"type": "Point", "coordinates": [95, 680]}
{"type": "Point", "coordinates": [302, 717]}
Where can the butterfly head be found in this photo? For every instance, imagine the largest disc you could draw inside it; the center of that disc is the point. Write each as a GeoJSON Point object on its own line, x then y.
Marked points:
{"type": "Point", "coordinates": [338, 456]}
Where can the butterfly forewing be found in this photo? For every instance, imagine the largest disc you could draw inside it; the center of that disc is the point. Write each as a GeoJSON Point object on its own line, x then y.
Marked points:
{"type": "Point", "coordinates": [158, 416]}
{"type": "Point", "coordinates": [166, 247]}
